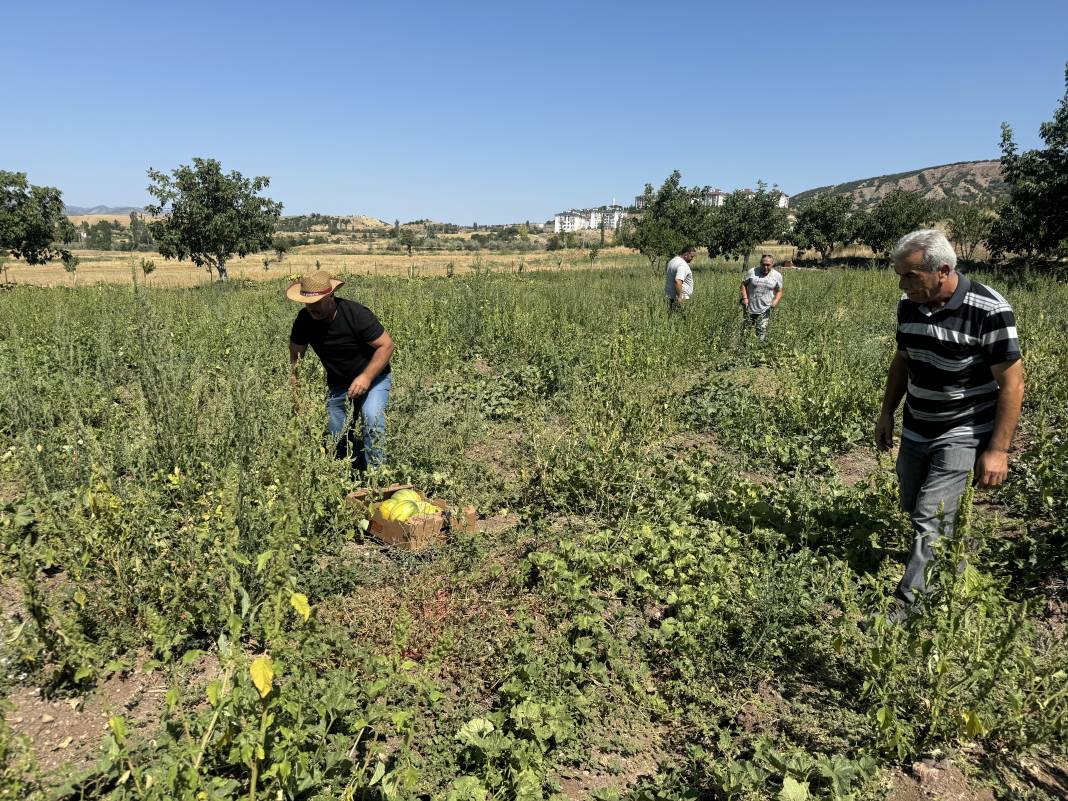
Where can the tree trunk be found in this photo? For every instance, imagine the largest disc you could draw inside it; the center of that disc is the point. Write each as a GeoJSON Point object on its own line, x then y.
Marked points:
{"type": "Point", "coordinates": [221, 267]}
{"type": "Point", "coordinates": [745, 261]}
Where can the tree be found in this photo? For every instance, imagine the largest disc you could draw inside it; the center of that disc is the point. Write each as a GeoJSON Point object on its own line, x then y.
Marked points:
{"type": "Point", "coordinates": [744, 221]}
{"type": "Point", "coordinates": [898, 213]}
{"type": "Point", "coordinates": [70, 264]}
{"type": "Point", "coordinates": [409, 238]}
{"type": "Point", "coordinates": [100, 236]}
{"type": "Point", "coordinates": [31, 219]}
{"type": "Point", "coordinates": [968, 225]}
{"type": "Point", "coordinates": [1034, 219]}
{"type": "Point", "coordinates": [672, 217]}
{"type": "Point", "coordinates": [207, 216]}
{"type": "Point", "coordinates": [65, 231]}
{"type": "Point", "coordinates": [280, 245]}
{"type": "Point", "coordinates": [824, 224]}
{"type": "Point", "coordinates": [1012, 232]}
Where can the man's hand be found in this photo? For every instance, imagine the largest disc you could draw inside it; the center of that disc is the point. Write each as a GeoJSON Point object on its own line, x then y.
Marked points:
{"type": "Point", "coordinates": [359, 386]}
{"type": "Point", "coordinates": [884, 432]}
{"type": "Point", "coordinates": [992, 468]}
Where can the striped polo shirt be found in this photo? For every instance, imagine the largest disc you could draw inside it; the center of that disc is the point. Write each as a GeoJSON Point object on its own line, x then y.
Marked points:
{"type": "Point", "coordinates": [952, 393]}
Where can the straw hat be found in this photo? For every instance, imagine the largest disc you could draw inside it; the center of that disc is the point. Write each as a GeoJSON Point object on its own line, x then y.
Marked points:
{"type": "Point", "coordinates": [313, 288]}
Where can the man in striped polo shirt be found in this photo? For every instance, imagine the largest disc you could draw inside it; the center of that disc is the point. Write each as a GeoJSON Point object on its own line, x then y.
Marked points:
{"type": "Point", "coordinates": [958, 367]}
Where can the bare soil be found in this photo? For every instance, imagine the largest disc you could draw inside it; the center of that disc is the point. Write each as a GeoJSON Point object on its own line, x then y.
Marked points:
{"type": "Point", "coordinates": [614, 768]}
{"type": "Point", "coordinates": [935, 781]}
{"type": "Point", "coordinates": [66, 734]}
{"type": "Point", "coordinates": [856, 465]}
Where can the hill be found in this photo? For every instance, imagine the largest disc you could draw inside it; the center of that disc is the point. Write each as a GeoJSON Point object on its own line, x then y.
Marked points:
{"type": "Point", "coordinates": [81, 211]}
{"type": "Point", "coordinates": [966, 181]}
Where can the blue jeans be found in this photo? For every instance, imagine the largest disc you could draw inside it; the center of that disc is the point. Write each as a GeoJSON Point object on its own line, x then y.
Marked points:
{"type": "Point", "coordinates": [932, 476]}
{"type": "Point", "coordinates": [368, 448]}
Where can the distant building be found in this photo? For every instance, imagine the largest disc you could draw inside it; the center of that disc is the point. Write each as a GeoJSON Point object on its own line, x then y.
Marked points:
{"type": "Point", "coordinates": [713, 197]}
{"type": "Point", "coordinates": [568, 221]}
{"type": "Point", "coordinates": [608, 217]}
{"type": "Point", "coordinates": [716, 198]}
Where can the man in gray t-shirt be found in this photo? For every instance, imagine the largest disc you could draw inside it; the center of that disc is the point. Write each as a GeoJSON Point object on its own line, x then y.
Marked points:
{"type": "Point", "coordinates": [760, 293]}
{"type": "Point", "coordinates": [678, 279]}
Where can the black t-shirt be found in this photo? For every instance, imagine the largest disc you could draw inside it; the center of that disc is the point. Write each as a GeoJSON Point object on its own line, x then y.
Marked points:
{"type": "Point", "coordinates": [343, 344]}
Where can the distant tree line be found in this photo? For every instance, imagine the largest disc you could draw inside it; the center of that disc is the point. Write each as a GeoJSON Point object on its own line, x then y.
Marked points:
{"type": "Point", "coordinates": [1031, 223]}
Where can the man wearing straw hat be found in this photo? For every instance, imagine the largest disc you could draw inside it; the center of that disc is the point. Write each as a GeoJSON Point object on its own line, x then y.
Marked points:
{"type": "Point", "coordinates": [355, 350]}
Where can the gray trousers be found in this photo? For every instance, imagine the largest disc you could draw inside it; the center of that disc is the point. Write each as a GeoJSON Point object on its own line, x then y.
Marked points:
{"type": "Point", "coordinates": [758, 321]}
{"type": "Point", "coordinates": [932, 477]}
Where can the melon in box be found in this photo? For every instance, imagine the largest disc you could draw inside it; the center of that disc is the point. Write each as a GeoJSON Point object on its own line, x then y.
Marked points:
{"type": "Point", "coordinates": [405, 518]}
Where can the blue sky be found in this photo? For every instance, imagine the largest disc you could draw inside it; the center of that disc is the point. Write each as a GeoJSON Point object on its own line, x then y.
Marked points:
{"type": "Point", "coordinates": [496, 112]}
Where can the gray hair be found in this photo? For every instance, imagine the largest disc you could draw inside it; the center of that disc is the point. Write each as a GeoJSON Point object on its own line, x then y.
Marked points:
{"type": "Point", "coordinates": [936, 249]}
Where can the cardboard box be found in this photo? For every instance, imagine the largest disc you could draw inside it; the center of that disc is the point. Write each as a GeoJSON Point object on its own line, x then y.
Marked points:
{"type": "Point", "coordinates": [419, 532]}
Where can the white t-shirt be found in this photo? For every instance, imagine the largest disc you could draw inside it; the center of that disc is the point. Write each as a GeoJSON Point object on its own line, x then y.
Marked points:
{"type": "Point", "coordinates": [761, 288]}
{"type": "Point", "coordinates": [678, 269]}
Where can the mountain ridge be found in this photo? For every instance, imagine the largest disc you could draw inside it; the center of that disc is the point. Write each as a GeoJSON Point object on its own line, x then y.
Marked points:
{"type": "Point", "coordinates": [965, 181]}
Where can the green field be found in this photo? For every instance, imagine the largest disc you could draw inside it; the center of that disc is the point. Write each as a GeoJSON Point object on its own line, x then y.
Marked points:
{"type": "Point", "coordinates": [683, 537]}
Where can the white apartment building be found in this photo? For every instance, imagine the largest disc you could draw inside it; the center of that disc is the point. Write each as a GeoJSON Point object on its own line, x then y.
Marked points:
{"type": "Point", "coordinates": [609, 217]}
{"type": "Point", "coordinates": [714, 198]}
{"type": "Point", "coordinates": [568, 221]}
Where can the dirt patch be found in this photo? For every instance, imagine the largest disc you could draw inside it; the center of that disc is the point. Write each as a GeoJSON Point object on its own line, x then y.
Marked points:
{"type": "Point", "coordinates": [1046, 774]}
{"type": "Point", "coordinates": [762, 380]}
{"type": "Point", "coordinates": [1055, 612]}
{"type": "Point", "coordinates": [497, 523]}
{"type": "Point", "coordinates": [856, 465]}
{"type": "Point", "coordinates": [67, 733]}
{"type": "Point", "coordinates": [703, 443]}
{"type": "Point", "coordinates": [759, 713]}
{"type": "Point", "coordinates": [500, 452]}
{"type": "Point", "coordinates": [934, 781]}
{"type": "Point", "coordinates": [12, 604]}
{"type": "Point", "coordinates": [637, 756]}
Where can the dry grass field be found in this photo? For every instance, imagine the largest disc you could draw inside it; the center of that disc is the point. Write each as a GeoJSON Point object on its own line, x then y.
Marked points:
{"type": "Point", "coordinates": [110, 267]}
{"type": "Point", "coordinates": [114, 267]}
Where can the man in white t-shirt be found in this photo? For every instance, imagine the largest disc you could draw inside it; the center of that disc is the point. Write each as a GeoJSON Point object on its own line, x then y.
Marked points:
{"type": "Point", "coordinates": [678, 279]}
{"type": "Point", "coordinates": [761, 292]}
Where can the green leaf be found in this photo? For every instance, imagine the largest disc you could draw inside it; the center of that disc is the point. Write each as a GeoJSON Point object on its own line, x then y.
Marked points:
{"type": "Point", "coordinates": [472, 732]}
{"type": "Point", "coordinates": [793, 790]}
{"type": "Point", "coordinates": [380, 771]}
{"type": "Point", "coordinates": [117, 724]}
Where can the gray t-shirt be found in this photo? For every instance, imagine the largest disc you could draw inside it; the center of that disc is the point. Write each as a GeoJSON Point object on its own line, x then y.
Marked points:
{"type": "Point", "coordinates": [678, 268]}
{"type": "Point", "coordinates": [761, 288]}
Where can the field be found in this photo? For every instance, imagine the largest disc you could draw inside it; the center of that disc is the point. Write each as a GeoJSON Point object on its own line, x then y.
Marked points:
{"type": "Point", "coordinates": [674, 593]}
{"type": "Point", "coordinates": [112, 267]}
